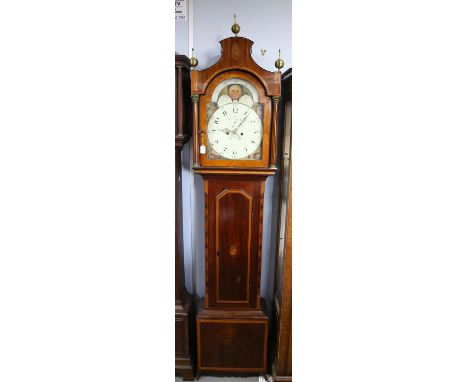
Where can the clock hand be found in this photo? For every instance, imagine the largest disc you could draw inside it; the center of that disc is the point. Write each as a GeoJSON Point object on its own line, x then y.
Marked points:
{"type": "Point", "coordinates": [225, 130]}
{"type": "Point", "coordinates": [235, 129]}
{"type": "Point", "coordinates": [240, 124]}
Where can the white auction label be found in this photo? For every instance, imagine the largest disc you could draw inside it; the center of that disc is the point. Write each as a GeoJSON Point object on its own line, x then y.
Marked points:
{"type": "Point", "coordinates": [180, 10]}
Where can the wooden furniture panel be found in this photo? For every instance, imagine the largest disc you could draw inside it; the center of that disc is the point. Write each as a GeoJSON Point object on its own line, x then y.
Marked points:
{"type": "Point", "coordinates": [232, 252]}
{"type": "Point", "coordinates": [234, 209]}
{"type": "Point", "coordinates": [232, 340]}
{"type": "Point", "coordinates": [183, 120]}
{"type": "Point", "coordinates": [184, 310]}
{"type": "Point", "coordinates": [181, 343]}
{"type": "Point", "coordinates": [223, 339]}
{"type": "Point", "coordinates": [282, 362]}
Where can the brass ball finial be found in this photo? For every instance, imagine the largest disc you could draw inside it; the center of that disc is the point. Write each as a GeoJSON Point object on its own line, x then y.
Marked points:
{"type": "Point", "coordinates": [279, 63]}
{"type": "Point", "coordinates": [193, 60]}
{"type": "Point", "coordinates": [235, 27]}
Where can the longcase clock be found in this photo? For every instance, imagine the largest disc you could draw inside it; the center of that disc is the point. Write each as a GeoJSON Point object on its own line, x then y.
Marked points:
{"type": "Point", "coordinates": [235, 116]}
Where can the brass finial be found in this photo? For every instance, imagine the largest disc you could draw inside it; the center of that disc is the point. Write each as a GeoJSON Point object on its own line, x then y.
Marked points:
{"type": "Point", "coordinates": [235, 27]}
{"type": "Point", "coordinates": [193, 60]}
{"type": "Point", "coordinates": [279, 63]}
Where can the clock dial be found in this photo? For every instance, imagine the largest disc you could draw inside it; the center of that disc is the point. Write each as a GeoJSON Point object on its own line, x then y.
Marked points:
{"type": "Point", "coordinates": [235, 131]}
{"type": "Point", "coordinates": [225, 138]}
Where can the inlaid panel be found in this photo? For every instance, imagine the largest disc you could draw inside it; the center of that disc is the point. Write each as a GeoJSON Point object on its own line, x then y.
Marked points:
{"type": "Point", "coordinates": [233, 345]}
{"type": "Point", "coordinates": [233, 238]}
{"type": "Point", "coordinates": [233, 218]}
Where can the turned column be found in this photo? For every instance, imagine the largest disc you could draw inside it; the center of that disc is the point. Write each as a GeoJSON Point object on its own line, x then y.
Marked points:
{"type": "Point", "coordinates": [196, 144]}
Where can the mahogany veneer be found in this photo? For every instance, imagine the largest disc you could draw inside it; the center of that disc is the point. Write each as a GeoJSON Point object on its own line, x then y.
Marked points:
{"type": "Point", "coordinates": [232, 324]}
{"type": "Point", "coordinates": [232, 340]}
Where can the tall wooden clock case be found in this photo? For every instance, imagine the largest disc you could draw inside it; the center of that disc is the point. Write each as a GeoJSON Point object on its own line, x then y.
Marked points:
{"type": "Point", "coordinates": [235, 117]}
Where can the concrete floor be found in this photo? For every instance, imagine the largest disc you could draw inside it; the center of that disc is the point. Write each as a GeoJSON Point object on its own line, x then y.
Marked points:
{"type": "Point", "coordinates": [206, 378]}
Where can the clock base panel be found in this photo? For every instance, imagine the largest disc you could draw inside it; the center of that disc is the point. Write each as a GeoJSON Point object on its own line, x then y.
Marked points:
{"type": "Point", "coordinates": [232, 343]}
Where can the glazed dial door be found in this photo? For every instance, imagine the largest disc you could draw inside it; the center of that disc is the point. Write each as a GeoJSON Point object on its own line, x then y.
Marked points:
{"type": "Point", "coordinates": [235, 131]}
{"type": "Point", "coordinates": [234, 122]}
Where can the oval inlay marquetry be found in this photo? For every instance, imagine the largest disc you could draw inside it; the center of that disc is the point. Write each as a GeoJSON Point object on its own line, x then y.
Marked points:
{"type": "Point", "coordinates": [233, 250]}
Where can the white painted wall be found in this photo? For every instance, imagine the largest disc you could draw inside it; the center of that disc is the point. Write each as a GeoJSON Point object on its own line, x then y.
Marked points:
{"type": "Point", "coordinates": [187, 179]}
{"type": "Point", "coordinates": [268, 24]}
{"type": "Point", "coordinates": [182, 36]}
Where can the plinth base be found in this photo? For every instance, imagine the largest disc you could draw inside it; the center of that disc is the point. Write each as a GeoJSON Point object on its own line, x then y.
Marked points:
{"type": "Point", "coordinates": [232, 341]}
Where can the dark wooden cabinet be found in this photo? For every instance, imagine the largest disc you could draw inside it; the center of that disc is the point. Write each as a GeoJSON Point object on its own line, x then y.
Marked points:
{"type": "Point", "coordinates": [282, 349]}
{"type": "Point", "coordinates": [184, 308]}
{"type": "Point", "coordinates": [183, 115]}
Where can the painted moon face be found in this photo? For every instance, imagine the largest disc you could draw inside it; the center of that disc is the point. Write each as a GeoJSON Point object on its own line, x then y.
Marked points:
{"type": "Point", "coordinates": [235, 92]}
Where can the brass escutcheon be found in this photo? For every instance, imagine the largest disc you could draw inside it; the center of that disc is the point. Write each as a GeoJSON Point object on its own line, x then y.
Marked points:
{"type": "Point", "coordinates": [233, 250]}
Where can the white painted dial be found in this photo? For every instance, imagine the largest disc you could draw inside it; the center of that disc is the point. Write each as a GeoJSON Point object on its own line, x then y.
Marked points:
{"type": "Point", "coordinates": [235, 131]}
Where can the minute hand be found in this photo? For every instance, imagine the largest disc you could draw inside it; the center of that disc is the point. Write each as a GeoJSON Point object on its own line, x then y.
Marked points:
{"type": "Point", "coordinates": [240, 124]}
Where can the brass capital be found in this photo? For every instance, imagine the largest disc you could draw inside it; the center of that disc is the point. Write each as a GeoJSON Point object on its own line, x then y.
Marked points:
{"type": "Point", "coordinates": [195, 98]}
